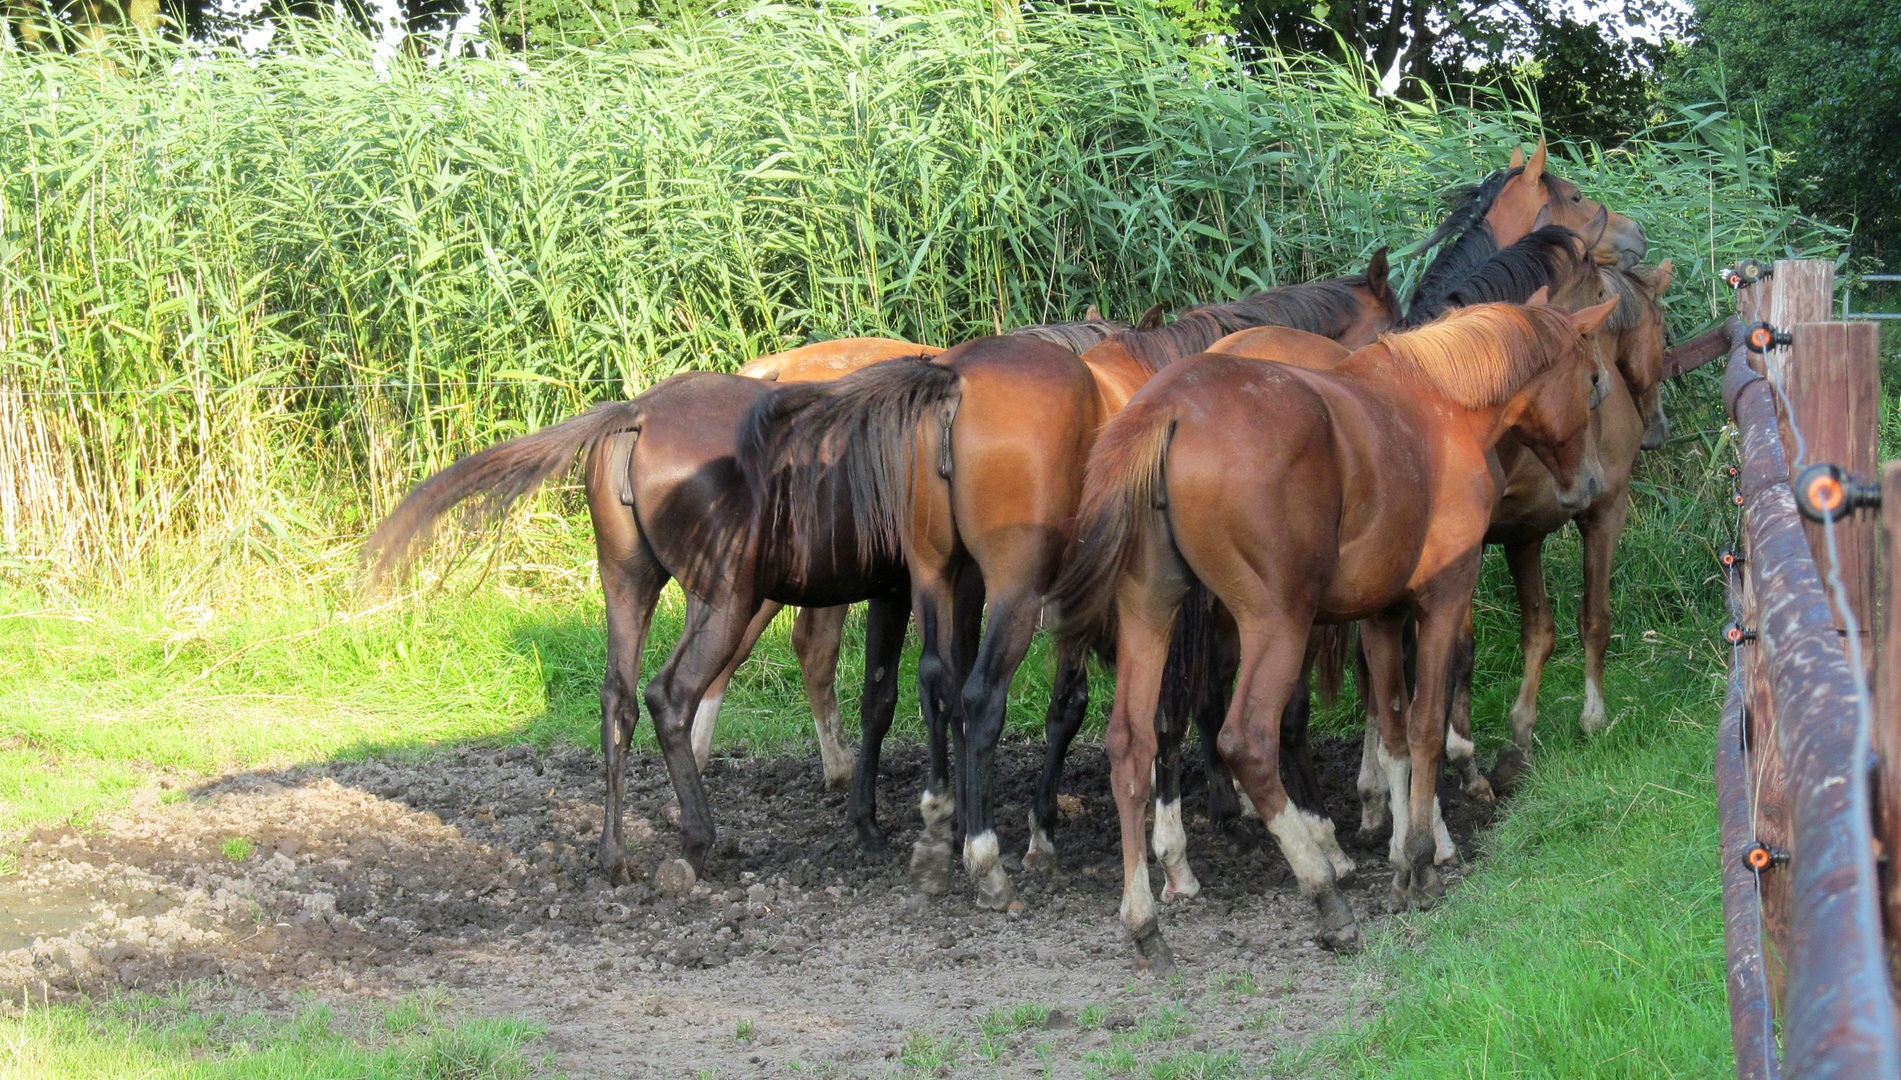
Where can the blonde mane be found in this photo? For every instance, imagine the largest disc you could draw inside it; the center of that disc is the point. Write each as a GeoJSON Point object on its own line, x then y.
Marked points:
{"type": "Point", "coordinates": [1481, 355]}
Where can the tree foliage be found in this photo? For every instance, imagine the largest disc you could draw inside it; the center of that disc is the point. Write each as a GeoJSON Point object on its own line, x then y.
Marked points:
{"type": "Point", "coordinates": [1826, 77]}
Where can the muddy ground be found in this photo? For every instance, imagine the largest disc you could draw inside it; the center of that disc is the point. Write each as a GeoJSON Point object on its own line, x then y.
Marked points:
{"type": "Point", "coordinates": [472, 874]}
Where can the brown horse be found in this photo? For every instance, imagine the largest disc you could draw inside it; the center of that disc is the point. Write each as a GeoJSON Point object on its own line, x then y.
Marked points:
{"type": "Point", "coordinates": [1299, 496]}
{"type": "Point", "coordinates": [667, 501]}
{"type": "Point", "coordinates": [818, 633]}
{"type": "Point", "coordinates": [973, 463]}
{"type": "Point", "coordinates": [1529, 511]}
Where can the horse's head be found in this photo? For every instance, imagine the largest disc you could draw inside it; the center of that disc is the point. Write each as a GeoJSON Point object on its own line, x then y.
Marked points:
{"type": "Point", "coordinates": [1378, 305]}
{"type": "Point", "coordinates": [1551, 413]}
{"type": "Point", "coordinates": [1533, 196]}
{"type": "Point", "coordinates": [1640, 343]}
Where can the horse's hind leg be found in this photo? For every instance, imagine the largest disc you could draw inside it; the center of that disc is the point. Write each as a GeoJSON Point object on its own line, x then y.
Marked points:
{"type": "Point", "coordinates": [1375, 806]}
{"type": "Point", "coordinates": [934, 596]}
{"type": "Point", "coordinates": [1011, 622]}
{"type": "Point", "coordinates": [712, 633]}
{"type": "Point", "coordinates": [1537, 633]}
{"type": "Point", "coordinates": [1298, 775]}
{"type": "Point", "coordinates": [885, 620]}
{"type": "Point", "coordinates": [1170, 840]}
{"type": "Point", "coordinates": [1143, 606]}
{"type": "Point", "coordinates": [816, 633]}
{"type": "Point", "coordinates": [706, 716]}
{"type": "Point", "coordinates": [1271, 666]}
{"type": "Point", "coordinates": [631, 580]}
{"type": "Point", "coordinates": [1069, 704]}
{"type": "Point", "coordinates": [1459, 747]}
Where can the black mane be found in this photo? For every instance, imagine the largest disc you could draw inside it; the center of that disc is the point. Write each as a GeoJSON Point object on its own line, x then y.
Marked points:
{"type": "Point", "coordinates": [1546, 257]}
{"type": "Point", "coordinates": [1326, 308]}
{"type": "Point", "coordinates": [1468, 240]}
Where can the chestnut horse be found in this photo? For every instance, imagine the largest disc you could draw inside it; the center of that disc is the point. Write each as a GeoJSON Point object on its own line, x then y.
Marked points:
{"type": "Point", "coordinates": [973, 463]}
{"type": "Point", "coordinates": [667, 501]}
{"type": "Point", "coordinates": [1299, 496]}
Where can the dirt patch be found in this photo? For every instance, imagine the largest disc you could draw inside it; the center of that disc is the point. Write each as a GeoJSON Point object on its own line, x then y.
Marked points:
{"type": "Point", "coordinates": [474, 872]}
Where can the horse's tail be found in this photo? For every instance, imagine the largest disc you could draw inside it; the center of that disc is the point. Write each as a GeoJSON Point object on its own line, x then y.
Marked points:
{"type": "Point", "coordinates": [1123, 486]}
{"type": "Point", "coordinates": [501, 475]}
{"type": "Point", "coordinates": [1330, 642]}
{"type": "Point", "coordinates": [858, 436]}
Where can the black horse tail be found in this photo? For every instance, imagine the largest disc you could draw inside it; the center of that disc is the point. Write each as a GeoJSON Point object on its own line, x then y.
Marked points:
{"type": "Point", "coordinates": [501, 475]}
{"type": "Point", "coordinates": [1123, 486]}
{"type": "Point", "coordinates": [857, 437]}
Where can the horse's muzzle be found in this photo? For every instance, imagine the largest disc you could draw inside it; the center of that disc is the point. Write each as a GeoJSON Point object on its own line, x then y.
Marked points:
{"type": "Point", "coordinates": [1584, 488]}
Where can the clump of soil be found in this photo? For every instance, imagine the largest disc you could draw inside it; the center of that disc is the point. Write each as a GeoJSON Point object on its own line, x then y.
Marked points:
{"type": "Point", "coordinates": [476, 871]}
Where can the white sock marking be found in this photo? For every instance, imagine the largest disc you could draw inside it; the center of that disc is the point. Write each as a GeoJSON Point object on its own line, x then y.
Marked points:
{"type": "Point", "coordinates": [980, 852]}
{"type": "Point", "coordinates": [1458, 747]}
{"type": "Point", "coordinates": [705, 718]}
{"type": "Point", "coordinates": [1294, 829]}
{"type": "Point", "coordinates": [1444, 850]}
{"type": "Point", "coordinates": [1399, 782]}
{"type": "Point", "coordinates": [1138, 904]}
{"type": "Point", "coordinates": [1171, 847]}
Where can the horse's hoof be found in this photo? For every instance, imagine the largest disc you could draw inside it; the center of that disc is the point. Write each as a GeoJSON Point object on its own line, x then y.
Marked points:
{"type": "Point", "coordinates": [1375, 837]}
{"type": "Point", "coordinates": [1510, 769]}
{"type": "Point", "coordinates": [1426, 890]}
{"type": "Point", "coordinates": [1339, 930]}
{"type": "Point", "coordinates": [995, 893]}
{"type": "Point", "coordinates": [614, 865]}
{"type": "Point", "coordinates": [872, 838]}
{"type": "Point", "coordinates": [1152, 954]}
{"type": "Point", "coordinates": [1041, 861]}
{"type": "Point", "coordinates": [931, 867]}
{"type": "Point", "coordinates": [838, 781]}
{"type": "Point", "coordinates": [1479, 788]}
{"type": "Point", "coordinates": [1187, 889]}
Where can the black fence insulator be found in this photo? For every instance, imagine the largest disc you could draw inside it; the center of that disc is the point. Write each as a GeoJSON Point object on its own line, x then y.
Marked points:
{"type": "Point", "coordinates": [1732, 471]}
{"type": "Point", "coordinates": [1826, 492]}
{"type": "Point", "coordinates": [1759, 856]}
{"type": "Point", "coordinates": [1730, 560]}
{"type": "Point", "coordinates": [1747, 272]}
{"type": "Point", "coordinates": [1761, 337]}
{"type": "Point", "coordinates": [1738, 498]}
{"type": "Point", "coordinates": [1737, 633]}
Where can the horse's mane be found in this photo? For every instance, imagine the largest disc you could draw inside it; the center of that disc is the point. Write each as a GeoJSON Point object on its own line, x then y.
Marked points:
{"type": "Point", "coordinates": [1634, 299]}
{"type": "Point", "coordinates": [1078, 337]}
{"type": "Point", "coordinates": [1545, 258]}
{"type": "Point", "coordinates": [1326, 308]}
{"type": "Point", "coordinates": [1482, 355]}
{"type": "Point", "coordinates": [1469, 242]}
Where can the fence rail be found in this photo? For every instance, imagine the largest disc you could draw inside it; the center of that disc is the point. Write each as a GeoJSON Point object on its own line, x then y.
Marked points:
{"type": "Point", "coordinates": [1804, 875]}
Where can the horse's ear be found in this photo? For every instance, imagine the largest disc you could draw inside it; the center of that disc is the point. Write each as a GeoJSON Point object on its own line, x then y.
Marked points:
{"type": "Point", "coordinates": [1592, 317]}
{"type": "Point", "coordinates": [1151, 318]}
{"type": "Point", "coordinates": [1660, 280]}
{"type": "Point", "coordinates": [1376, 273]}
{"type": "Point", "coordinates": [1535, 168]}
{"type": "Point", "coordinates": [1518, 157]}
{"type": "Point", "coordinates": [1092, 313]}
{"type": "Point", "coordinates": [1540, 298]}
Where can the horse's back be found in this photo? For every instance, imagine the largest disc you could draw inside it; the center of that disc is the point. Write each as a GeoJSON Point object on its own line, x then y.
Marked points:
{"type": "Point", "coordinates": [822, 361]}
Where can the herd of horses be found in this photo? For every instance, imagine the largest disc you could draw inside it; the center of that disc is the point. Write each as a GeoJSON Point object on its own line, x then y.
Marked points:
{"type": "Point", "coordinates": [1210, 502]}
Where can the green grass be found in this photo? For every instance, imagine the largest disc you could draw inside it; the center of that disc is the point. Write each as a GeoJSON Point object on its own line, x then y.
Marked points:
{"type": "Point", "coordinates": [175, 1039]}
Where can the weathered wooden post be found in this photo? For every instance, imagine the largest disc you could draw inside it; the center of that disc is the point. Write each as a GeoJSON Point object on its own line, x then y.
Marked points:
{"type": "Point", "coordinates": [1887, 733]}
{"type": "Point", "coordinates": [1833, 378]}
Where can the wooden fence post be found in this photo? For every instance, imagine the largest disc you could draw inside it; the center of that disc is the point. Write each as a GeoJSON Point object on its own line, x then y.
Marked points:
{"type": "Point", "coordinates": [1804, 292]}
{"type": "Point", "coordinates": [1833, 378]}
{"type": "Point", "coordinates": [1887, 733]}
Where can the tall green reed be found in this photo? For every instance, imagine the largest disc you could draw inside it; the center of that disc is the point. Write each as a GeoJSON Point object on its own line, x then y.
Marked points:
{"type": "Point", "coordinates": [244, 301]}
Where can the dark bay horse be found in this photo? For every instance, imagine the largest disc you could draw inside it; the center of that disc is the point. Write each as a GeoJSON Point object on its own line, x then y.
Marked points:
{"type": "Point", "coordinates": [972, 463]}
{"type": "Point", "coordinates": [667, 501]}
{"type": "Point", "coordinates": [817, 633]}
{"type": "Point", "coordinates": [1297, 496]}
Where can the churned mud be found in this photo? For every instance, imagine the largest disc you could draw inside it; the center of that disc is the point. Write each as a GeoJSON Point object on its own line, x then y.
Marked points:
{"type": "Point", "coordinates": [472, 874]}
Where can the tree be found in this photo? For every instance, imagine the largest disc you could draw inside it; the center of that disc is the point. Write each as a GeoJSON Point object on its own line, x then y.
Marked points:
{"type": "Point", "coordinates": [1590, 80]}
{"type": "Point", "coordinates": [1826, 78]}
